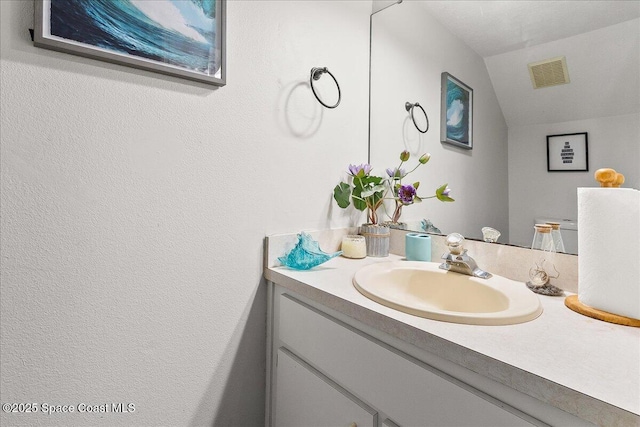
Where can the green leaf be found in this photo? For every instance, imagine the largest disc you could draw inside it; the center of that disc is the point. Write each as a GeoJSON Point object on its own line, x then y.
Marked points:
{"type": "Point", "coordinates": [373, 190]}
{"type": "Point", "coordinates": [375, 180]}
{"type": "Point", "coordinates": [379, 188]}
{"type": "Point", "coordinates": [416, 185]}
{"type": "Point", "coordinates": [376, 199]}
{"type": "Point", "coordinates": [441, 196]}
{"type": "Point", "coordinates": [367, 193]}
{"type": "Point", "coordinates": [342, 194]}
{"type": "Point", "coordinates": [358, 203]}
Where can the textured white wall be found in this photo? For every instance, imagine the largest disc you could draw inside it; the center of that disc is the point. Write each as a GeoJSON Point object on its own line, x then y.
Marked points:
{"type": "Point", "coordinates": [534, 192]}
{"type": "Point", "coordinates": [410, 50]}
{"type": "Point", "coordinates": [134, 208]}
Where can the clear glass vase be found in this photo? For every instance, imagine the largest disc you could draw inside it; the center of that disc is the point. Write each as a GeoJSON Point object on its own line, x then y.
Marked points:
{"type": "Point", "coordinates": [557, 236]}
{"type": "Point", "coordinates": [545, 269]}
{"type": "Point", "coordinates": [542, 238]}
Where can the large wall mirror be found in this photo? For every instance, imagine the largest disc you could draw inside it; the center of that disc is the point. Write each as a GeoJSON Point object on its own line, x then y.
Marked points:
{"type": "Point", "coordinates": [503, 181]}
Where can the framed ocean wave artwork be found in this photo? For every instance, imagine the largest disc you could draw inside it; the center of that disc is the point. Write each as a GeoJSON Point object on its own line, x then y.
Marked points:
{"type": "Point", "coordinates": [456, 112]}
{"type": "Point", "coordinates": [182, 38]}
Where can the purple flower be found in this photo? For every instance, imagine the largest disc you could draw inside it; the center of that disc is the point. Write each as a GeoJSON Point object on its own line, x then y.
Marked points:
{"type": "Point", "coordinates": [396, 173]}
{"type": "Point", "coordinates": [446, 192]}
{"type": "Point", "coordinates": [406, 193]}
{"type": "Point", "coordinates": [361, 170]}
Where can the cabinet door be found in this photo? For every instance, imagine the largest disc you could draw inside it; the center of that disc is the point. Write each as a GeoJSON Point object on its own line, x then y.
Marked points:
{"type": "Point", "coordinates": [304, 397]}
{"type": "Point", "coordinates": [409, 392]}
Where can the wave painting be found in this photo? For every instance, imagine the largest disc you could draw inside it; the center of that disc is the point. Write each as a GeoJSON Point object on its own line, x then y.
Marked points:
{"type": "Point", "coordinates": [181, 33]}
{"type": "Point", "coordinates": [457, 113]}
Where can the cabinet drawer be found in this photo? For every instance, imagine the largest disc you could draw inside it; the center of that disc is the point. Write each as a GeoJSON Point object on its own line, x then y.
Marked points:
{"type": "Point", "coordinates": [407, 391]}
{"type": "Point", "coordinates": [305, 397]}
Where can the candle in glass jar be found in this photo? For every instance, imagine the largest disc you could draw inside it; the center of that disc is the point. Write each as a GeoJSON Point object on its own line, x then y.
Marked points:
{"type": "Point", "coordinates": [354, 246]}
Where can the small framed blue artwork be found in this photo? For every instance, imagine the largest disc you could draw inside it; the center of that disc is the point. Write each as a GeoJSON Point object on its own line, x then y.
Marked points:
{"type": "Point", "coordinates": [183, 38]}
{"type": "Point", "coordinates": [456, 112]}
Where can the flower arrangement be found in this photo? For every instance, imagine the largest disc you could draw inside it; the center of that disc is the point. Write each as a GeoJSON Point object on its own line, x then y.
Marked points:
{"type": "Point", "coordinates": [369, 191]}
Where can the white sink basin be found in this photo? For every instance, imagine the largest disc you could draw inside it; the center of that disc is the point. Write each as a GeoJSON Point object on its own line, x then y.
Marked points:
{"type": "Point", "coordinates": [422, 289]}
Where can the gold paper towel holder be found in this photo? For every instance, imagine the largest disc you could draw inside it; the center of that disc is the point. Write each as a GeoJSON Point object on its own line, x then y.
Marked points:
{"type": "Point", "coordinates": [574, 304]}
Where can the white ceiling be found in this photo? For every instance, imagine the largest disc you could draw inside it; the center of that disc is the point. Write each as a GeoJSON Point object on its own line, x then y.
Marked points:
{"type": "Point", "coordinates": [604, 72]}
{"type": "Point", "coordinates": [600, 40]}
{"type": "Point", "coordinates": [494, 27]}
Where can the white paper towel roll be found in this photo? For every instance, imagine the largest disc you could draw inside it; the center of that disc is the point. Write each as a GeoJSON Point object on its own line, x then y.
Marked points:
{"type": "Point", "coordinates": [609, 250]}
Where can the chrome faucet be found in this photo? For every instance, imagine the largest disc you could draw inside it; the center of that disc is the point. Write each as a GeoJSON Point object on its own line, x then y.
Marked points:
{"type": "Point", "coordinates": [457, 259]}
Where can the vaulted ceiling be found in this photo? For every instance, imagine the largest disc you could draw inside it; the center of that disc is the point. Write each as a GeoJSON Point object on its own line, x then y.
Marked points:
{"type": "Point", "coordinates": [600, 40]}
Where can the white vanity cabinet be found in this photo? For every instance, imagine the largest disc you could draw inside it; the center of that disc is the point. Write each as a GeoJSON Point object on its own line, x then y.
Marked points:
{"type": "Point", "coordinates": [305, 397]}
{"type": "Point", "coordinates": [325, 372]}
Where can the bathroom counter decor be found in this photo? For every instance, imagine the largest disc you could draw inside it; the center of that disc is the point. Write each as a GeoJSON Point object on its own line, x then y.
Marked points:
{"type": "Point", "coordinates": [306, 254]}
{"type": "Point", "coordinates": [367, 191]}
{"type": "Point", "coordinates": [609, 220]}
{"type": "Point", "coordinates": [377, 239]}
{"type": "Point", "coordinates": [586, 368]}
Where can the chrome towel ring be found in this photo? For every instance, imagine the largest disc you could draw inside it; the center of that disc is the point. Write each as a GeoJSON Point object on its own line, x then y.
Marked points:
{"type": "Point", "coordinates": [409, 107]}
{"type": "Point", "coordinates": [316, 73]}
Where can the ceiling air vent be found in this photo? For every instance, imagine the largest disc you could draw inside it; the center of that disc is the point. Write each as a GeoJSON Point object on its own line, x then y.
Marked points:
{"type": "Point", "coordinates": [549, 72]}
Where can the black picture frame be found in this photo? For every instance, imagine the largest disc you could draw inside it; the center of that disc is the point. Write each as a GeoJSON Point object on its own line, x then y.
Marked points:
{"type": "Point", "coordinates": [568, 152]}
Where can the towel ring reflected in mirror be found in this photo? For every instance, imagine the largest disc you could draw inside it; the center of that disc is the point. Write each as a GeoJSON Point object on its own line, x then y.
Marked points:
{"type": "Point", "coordinates": [316, 73]}
{"type": "Point", "coordinates": [409, 107]}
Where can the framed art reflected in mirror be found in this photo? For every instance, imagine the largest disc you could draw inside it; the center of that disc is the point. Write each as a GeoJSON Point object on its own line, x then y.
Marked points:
{"type": "Point", "coordinates": [568, 152]}
{"type": "Point", "coordinates": [456, 112]}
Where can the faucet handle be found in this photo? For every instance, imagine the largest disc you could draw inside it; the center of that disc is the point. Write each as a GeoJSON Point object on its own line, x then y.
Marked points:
{"type": "Point", "coordinates": [454, 241]}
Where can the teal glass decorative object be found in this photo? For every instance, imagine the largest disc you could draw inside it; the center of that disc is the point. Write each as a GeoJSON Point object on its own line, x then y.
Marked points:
{"type": "Point", "coordinates": [306, 254]}
{"type": "Point", "coordinates": [428, 226]}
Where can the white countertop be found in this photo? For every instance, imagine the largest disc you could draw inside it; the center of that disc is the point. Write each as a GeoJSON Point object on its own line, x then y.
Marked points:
{"type": "Point", "coordinates": [584, 366]}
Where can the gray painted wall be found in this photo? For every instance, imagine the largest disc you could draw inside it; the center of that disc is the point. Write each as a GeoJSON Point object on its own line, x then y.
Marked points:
{"type": "Point", "coordinates": [602, 99]}
{"type": "Point", "coordinates": [410, 50]}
